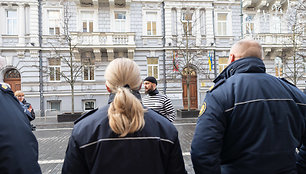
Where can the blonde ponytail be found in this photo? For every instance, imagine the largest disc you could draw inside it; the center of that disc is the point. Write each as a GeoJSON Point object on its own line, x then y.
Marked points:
{"type": "Point", "coordinates": [126, 113]}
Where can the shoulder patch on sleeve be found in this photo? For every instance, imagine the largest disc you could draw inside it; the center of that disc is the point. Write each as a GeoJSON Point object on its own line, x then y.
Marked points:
{"type": "Point", "coordinates": [203, 108]}
{"type": "Point", "coordinates": [220, 82]}
{"type": "Point", "coordinates": [5, 87]}
{"type": "Point", "coordinates": [85, 115]}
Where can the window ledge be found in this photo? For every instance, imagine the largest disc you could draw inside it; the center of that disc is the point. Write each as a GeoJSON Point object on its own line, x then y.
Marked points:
{"type": "Point", "coordinates": [9, 35]}
{"type": "Point", "coordinates": [224, 36]}
{"type": "Point", "coordinates": [151, 37]}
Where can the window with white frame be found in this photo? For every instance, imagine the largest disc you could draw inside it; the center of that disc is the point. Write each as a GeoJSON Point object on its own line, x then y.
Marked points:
{"type": "Point", "coordinates": [55, 69]}
{"type": "Point", "coordinates": [222, 63]}
{"type": "Point", "coordinates": [11, 22]}
{"type": "Point", "coordinates": [249, 24]}
{"type": "Point", "coordinates": [275, 24]}
{"type": "Point", "coordinates": [87, 21]}
{"type": "Point", "coordinates": [89, 105]}
{"type": "Point", "coordinates": [120, 20]}
{"type": "Point", "coordinates": [151, 23]}
{"type": "Point", "coordinates": [153, 68]}
{"type": "Point", "coordinates": [54, 105]}
{"type": "Point", "coordinates": [88, 63]}
{"type": "Point", "coordinates": [222, 24]}
{"type": "Point", "coordinates": [278, 64]}
{"type": "Point", "coordinates": [54, 22]}
{"type": "Point", "coordinates": [187, 21]}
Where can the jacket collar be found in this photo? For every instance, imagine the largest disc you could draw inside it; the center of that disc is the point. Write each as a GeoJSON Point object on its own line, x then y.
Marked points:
{"type": "Point", "coordinates": [154, 92]}
{"type": "Point", "coordinates": [112, 96]}
{"type": "Point", "coordinates": [244, 65]}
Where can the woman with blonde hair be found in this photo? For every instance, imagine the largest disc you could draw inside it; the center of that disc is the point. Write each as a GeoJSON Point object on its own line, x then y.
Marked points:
{"type": "Point", "coordinates": [28, 110]}
{"type": "Point", "coordinates": [123, 137]}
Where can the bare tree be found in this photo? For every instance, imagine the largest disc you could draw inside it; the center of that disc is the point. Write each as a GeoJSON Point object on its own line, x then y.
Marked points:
{"type": "Point", "coordinates": [188, 58]}
{"type": "Point", "coordinates": [294, 68]}
{"type": "Point", "coordinates": [64, 39]}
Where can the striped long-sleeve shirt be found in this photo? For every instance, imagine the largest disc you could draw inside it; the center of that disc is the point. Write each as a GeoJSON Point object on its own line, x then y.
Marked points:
{"type": "Point", "coordinates": [161, 104]}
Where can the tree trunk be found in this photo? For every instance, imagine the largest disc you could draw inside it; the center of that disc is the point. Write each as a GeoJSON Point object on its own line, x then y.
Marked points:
{"type": "Point", "coordinates": [72, 99]}
{"type": "Point", "coordinates": [188, 90]}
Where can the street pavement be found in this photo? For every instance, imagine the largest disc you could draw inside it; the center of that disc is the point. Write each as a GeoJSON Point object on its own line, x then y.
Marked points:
{"type": "Point", "coordinates": [53, 138]}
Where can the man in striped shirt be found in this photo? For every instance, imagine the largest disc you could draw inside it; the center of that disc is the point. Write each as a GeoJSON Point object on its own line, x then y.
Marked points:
{"type": "Point", "coordinates": [156, 101]}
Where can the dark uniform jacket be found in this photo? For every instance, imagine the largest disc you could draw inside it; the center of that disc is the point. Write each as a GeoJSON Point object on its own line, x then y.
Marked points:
{"type": "Point", "coordinates": [94, 148]}
{"type": "Point", "coordinates": [251, 123]}
{"type": "Point", "coordinates": [18, 145]}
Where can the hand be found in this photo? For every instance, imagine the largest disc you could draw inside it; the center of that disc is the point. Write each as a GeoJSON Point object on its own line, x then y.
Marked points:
{"type": "Point", "coordinates": [30, 108]}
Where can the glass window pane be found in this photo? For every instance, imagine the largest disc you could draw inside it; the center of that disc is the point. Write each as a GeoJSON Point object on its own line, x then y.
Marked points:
{"type": "Point", "coordinates": [224, 29]}
{"type": "Point", "coordinates": [58, 73]}
{"type": "Point", "coordinates": [154, 28]}
{"type": "Point", "coordinates": [149, 70]}
{"type": "Point", "coordinates": [222, 60]}
{"type": "Point", "coordinates": [222, 16]}
{"type": "Point", "coordinates": [51, 31]}
{"type": "Point", "coordinates": [90, 26]}
{"type": "Point", "coordinates": [152, 60]}
{"type": "Point", "coordinates": [89, 105]}
{"type": "Point", "coordinates": [149, 28]}
{"type": "Point", "coordinates": [84, 27]}
{"type": "Point", "coordinates": [120, 15]}
{"type": "Point", "coordinates": [189, 28]}
{"type": "Point", "coordinates": [12, 14]}
{"type": "Point", "coordinates": [55, 105]}
{"type": "Point", "coordinates": [92, 73]}
{"type": "Point", "coordinates": [57, 31]}
{"type": "Point", "coordinates": [85, 73]}
{"type": "Point", "coordinates": [52, 73]}
{"type": "Point", "coordinates": [219, 28]}
{"type": "Point", "coordinates": [155, 69]}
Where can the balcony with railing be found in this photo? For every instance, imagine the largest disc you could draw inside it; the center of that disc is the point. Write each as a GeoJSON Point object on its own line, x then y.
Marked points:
{"type": "Point", "coordinates": [98, 39]}
{"type": "Point", "coordinates": [273, 39]}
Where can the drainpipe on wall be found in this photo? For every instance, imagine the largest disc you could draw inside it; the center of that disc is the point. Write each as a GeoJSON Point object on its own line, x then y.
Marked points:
{"type": "Point", "coordinates": [241, 19]}
{"type": "Point", "coordinates": [41, 96]}
{"type": "Point", "coordinates": [214, 44]}
{"type": "Point", "coordinates": [164, 49]}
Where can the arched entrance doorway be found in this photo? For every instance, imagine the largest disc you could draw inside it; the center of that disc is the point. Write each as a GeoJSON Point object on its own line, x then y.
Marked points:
{"type": "Point", "coordinates": [12, 77]}
{"type": "Point", "coordinates": [192, 88]}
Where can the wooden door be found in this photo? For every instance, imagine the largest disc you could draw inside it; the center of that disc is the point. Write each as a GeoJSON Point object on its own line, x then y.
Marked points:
{"type": "Point", "coordinates": [193, 92]}
{"type": "Point", "coordinates": [12, 77]}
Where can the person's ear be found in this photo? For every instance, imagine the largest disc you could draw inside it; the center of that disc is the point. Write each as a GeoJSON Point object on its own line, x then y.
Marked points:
{"type": "Point", "coordinates": [109, 90]}
{"type": "Point", "coordinates": [140, 86]}
{"type": "Point", "coordinates": [154, 85]}
{"type": "Point", "coordinates": [231, 59]}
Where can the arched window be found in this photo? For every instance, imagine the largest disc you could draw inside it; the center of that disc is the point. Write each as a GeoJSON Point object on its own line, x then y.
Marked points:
{"type": "Point", "coordinates": [13, 73]}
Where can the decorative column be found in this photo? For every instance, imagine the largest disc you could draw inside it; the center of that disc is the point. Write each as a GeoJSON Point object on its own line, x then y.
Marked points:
{"type": "Point", "coordinates": [34, 24]}
{"type": "Point", "coordinates": [2, 21]}
{"type": "Point", "coordinates": [131, 54]}
{"type": "Point", "coordinates": [210, 26]}
{"type": "Point", "coordinates": [21, 26]}
{"type": "Point", "coordinates": [77, 55]}
{"type": "Point", "coordinates": [179, 24]}
{"type": "Point", "coordinates": [168, 25]}
{"type": "Point", "coordinates": [97, 53]}
{"type": "Point", "coordinates": [110, 54]}
{"type": "Point", "coordinates": [198, 27]}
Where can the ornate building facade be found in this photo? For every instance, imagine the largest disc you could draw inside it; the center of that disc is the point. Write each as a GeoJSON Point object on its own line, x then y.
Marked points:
{"type": "Point", "coordinates": [36, 42]}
